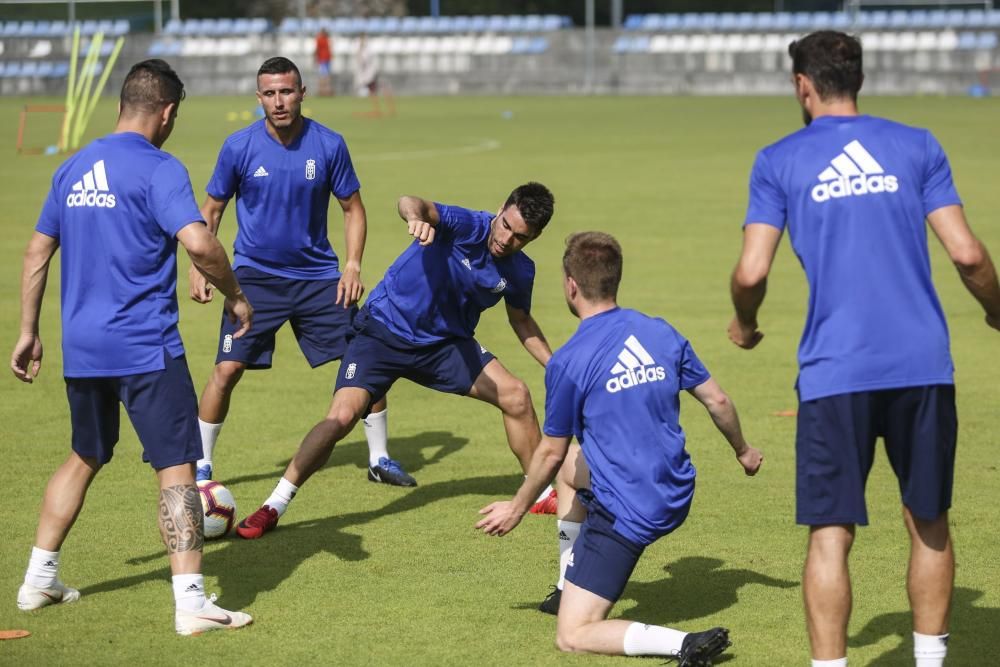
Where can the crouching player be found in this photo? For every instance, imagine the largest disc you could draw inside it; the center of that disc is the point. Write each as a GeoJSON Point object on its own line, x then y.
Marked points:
{"type": "Point", "coordinates": [615, 386]}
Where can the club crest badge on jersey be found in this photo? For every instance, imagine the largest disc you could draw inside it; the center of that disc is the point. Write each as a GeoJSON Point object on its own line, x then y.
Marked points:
{"type": "Point", "coordinates": [501, 286]}
{"type": "Point", "coordinates": [310, 169]}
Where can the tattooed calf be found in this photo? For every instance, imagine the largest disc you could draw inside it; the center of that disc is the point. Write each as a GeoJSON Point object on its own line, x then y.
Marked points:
{"type": "Point", "coordinates": [181, 518]}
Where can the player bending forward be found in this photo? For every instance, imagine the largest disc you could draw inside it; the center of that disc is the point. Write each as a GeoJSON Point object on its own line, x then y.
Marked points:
{"type": "Point", "coordinates": [634, 482]}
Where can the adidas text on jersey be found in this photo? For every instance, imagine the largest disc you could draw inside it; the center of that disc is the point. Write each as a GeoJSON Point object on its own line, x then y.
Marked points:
{"type": "Point", "coordinates": [635, 366]}
{"type": "Point", "coordinates": [854, 172]}
{"type": "Point", "coordinates": [92, 189]}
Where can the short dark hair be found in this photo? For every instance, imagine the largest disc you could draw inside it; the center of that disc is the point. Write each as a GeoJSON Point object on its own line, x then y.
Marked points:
{"type": "Point", "coordinates": [150, 86]}
{"type": "Point", "coordinates": [832, 60]}
{"type": "Point", "coordinates": [279, 65]}
{"type": "Point", "coordinates": [535, 203]}
{"type": "Point", "coordinates": [594, 261]}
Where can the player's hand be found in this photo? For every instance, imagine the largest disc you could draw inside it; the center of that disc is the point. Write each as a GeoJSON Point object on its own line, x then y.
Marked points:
{"type": "Point", "coordinates": [421, 231]}
{"type": "Point", "coordinates": [26, 360]}
{"type": "Point", "coordinates": [751, 460]}
{"type": "Point", "coordinates": [202, 291]}
{"type": "Point", "coordinates": [993, 322]}
{"type": "Point", "coordinates": [238, 309]}
{"type": "Point", "coordinates": [744, 336]}
{"type": "Point", "coordinates": [501, 518]}
{"type": "Point", "coordinates": [349, 287]}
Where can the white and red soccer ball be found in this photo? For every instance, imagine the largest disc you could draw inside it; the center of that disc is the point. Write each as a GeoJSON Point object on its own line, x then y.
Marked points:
{"type": "Point", "coordinates": [220, 508]}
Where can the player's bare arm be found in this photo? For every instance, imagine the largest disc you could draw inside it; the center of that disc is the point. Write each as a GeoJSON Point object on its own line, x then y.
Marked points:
{"type": "Point", "coordinates": [350, 288]}
{"type": "Point", "coordinates": [530, 334]}
{"type": "Point", "coordinates": [970, 258]}
{"type": "Point", "coordinates": [503, 516]}
{"type": "Point", "coordinates": [209, 257]}
{"type": "Point", "coordinates": [748, 285]}
{"type": "Point", "coordinates": [26, 359]}
{"type": "Point", "coordinates": [720, 407]}
{"type": "Point", "coordinates": [211, 212]}
{"type": "Point", "coordinates": [421, 218]}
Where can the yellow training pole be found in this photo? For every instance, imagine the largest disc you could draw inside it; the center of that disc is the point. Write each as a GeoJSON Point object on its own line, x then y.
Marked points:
{"type": "Point", "coordinates": [85, 85]}
{"type": "Point", "coordinates": [70, 92]}
{"type": "Point", "coordinates": [96, 96]}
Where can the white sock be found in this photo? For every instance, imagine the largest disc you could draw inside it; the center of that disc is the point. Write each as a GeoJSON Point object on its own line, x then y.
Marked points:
{"type": "Point", "coordinates": [43, 568]}
{"type": "Point", "coordinates": [929, 650]}
{"type": "Point", "coordinates": [377, 434]}
{"type": "Point", "coordinates": [281, 496]}
{"type": "Point", "coordinates": [189, 591]}
{"type": "Point", "coordinates": [642, 639]}
{"type": "Point", "coordinates": [568, 532]}
{"type": "Point", "coordinates": [839, 662]}
{"type": "Point", "coordinates": [209, 434]}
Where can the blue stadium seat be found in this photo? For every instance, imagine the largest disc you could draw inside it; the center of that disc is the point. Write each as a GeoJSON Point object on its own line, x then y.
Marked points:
{"type": "Point", "coordinates": [29, 68]}
{"type": "Point", "coordinates": [955, 18]}
{"type": "Point", "coordinates": [967, 41]}
{"type": "Point", "coordinates": [105, 26]}
{"type": "Point", "coordinates": [12, 69]}
{"type": "Point", "coordinates": [937, 18]}
{"type": "Point", "coordinates": [26, 29]}
{"type": "Point", "coordinates": [60, 70]}
{"type": "Point", "coordinates": [259, 25]}
{"type": "Point", "coordinates": [655, 22]}
{"type": "Point", "coordinates": [515, 23]}
{"type": "Point", "coordinates": [782, 21]}
{"type": "Point", "coordinates": [744, 21]}
{"type": "Point", "coordinates": [41, 29]}
{"type": "Point", "coordinates": [461, 24]}
{"type": "Point", "coordinates": [478, 24]}
{"type": "Point", "coordinates": [987, 40]}
{"type": "Point", "coordinates": [45, 68]}
{"type": "Point", "coordinates": [555, 22]}
{"type": "Point", "coordinates": [726, 22]}
{"type": "Point", "coordinates": [822, 20]}
{"type": "Point", "coordinates": [173, 27]}
{"type": "Point", "coordinates": [58, 29]}
{"type": "Point", "coordinates": [975, 18]}
{"type": "Point", "coordinates": [289, 25]}
{"type": "Point", "coordinates": [425, 24]}
{"type": "Point", "coordinates": [497, 23]}
{"type": "Point", "coordinates": [241, 26]}
{"type": "Point", "coordinates": [121, 27]}
{"type": "Point", "coordinates": [802, 21]}
{"type": "Point", "coordinates": [632, 22]}
{"type": "Point", "coordinates": [9, 28]}
{"type": "Point", "coordinates": [840, 21]}
{"type": "Point", "coordinates": [225, 27]}
{"type": "Point", "coordinates": [533, 23]}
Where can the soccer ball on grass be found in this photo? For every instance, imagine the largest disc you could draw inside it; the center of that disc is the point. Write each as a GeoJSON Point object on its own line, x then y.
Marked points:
{"type": "Point", "coordinates": [220, 508]}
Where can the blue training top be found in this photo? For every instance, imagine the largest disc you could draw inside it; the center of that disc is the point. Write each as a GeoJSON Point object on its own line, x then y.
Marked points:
{"type": "Point", "coordinates": [615, 385]}
{"type": "Point", "coordinates": [116, 207]}
{"type": "Point", "coordinates": [854, 192]}
{"type": "Point", "coordinates": [435, 292]}
{"type": "Point", "coordinates": [282, 198]}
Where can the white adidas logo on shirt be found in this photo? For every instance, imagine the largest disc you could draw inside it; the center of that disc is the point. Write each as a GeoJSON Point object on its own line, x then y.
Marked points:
{"type": "Point", "coordinates": [853, 172]}
{"type": "Point", "coordinates": [635, 366]}
{"type": "Point", "coordinates": [260, 172]}
{"type": "Point", "coordinates": [92, 189]}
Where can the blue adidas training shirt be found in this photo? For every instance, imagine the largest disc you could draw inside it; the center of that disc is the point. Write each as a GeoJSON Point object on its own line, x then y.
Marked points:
{"type": "Point", "coordinates": [854, 193]}
{"type": "Point", "coordinates": [615, 385]}
{"type": "Point", "coordinates": [435, 292]}
{"type": "Point", "coordinates": [115, 208]}
{"type": "Point", "coordinates": [283, 197]}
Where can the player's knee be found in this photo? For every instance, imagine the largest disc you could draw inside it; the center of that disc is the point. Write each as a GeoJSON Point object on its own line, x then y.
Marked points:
{"type": "Point", "coordinates": [516, 399]}
{"type": "Point", "coordinates": [227, 375]}
{"type": "Point", "coordinates": [566, 640]}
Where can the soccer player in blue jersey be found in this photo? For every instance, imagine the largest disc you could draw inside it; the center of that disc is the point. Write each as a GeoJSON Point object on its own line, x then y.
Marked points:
{"type": "Point", "coordinates": [282, 171]}
{"type": "Point", "coordinates": [419, 323]}
{"type": "Point", "coordinates": [854, 192]}
{"type": "Point", "coordinates": [118, 208]}
{"type": "Point", "coordinates": [615, 386]}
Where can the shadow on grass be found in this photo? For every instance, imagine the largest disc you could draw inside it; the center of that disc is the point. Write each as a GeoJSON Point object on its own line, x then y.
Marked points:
{"type": "Point", "coordinates": [698, 586]}
{"type": "Point", "coordinates": [972, 641]}
{"type": "Point", "coordinates": [408, 451]}
{"type": "Point", "coordinates": [246, 568]}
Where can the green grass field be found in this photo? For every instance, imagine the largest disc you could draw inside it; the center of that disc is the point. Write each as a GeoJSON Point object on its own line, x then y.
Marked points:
{"type": "Point", "coordinates": [359, 573]}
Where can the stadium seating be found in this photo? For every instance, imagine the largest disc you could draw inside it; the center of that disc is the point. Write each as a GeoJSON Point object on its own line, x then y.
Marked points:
{"type": "Point", "coordinates": [972, 19]}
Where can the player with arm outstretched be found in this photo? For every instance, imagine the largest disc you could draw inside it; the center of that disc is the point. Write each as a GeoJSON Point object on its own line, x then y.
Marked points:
{"type": "Point", "coordinates": [615, 386]}
{"type": "Point", "coordinates": [419, 324]}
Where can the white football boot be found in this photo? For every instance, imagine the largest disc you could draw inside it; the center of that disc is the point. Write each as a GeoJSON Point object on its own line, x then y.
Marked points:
{"type": "Point", "coordinates": [209, 617]}
{"type": "Point", "coordinates": [29, 597]}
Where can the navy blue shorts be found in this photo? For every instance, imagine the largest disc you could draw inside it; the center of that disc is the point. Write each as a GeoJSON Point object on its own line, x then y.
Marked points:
{"type": "Point", "coordinates": [602, 560]}
{"type": "Point", "coordinates": [161, 405]}
{"type": "Point", "coordinates": [320, 324]}
{"type": "Point", "coordinates": [376, 358]}
{"type": "Point", "coordinates": [835, 448]}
